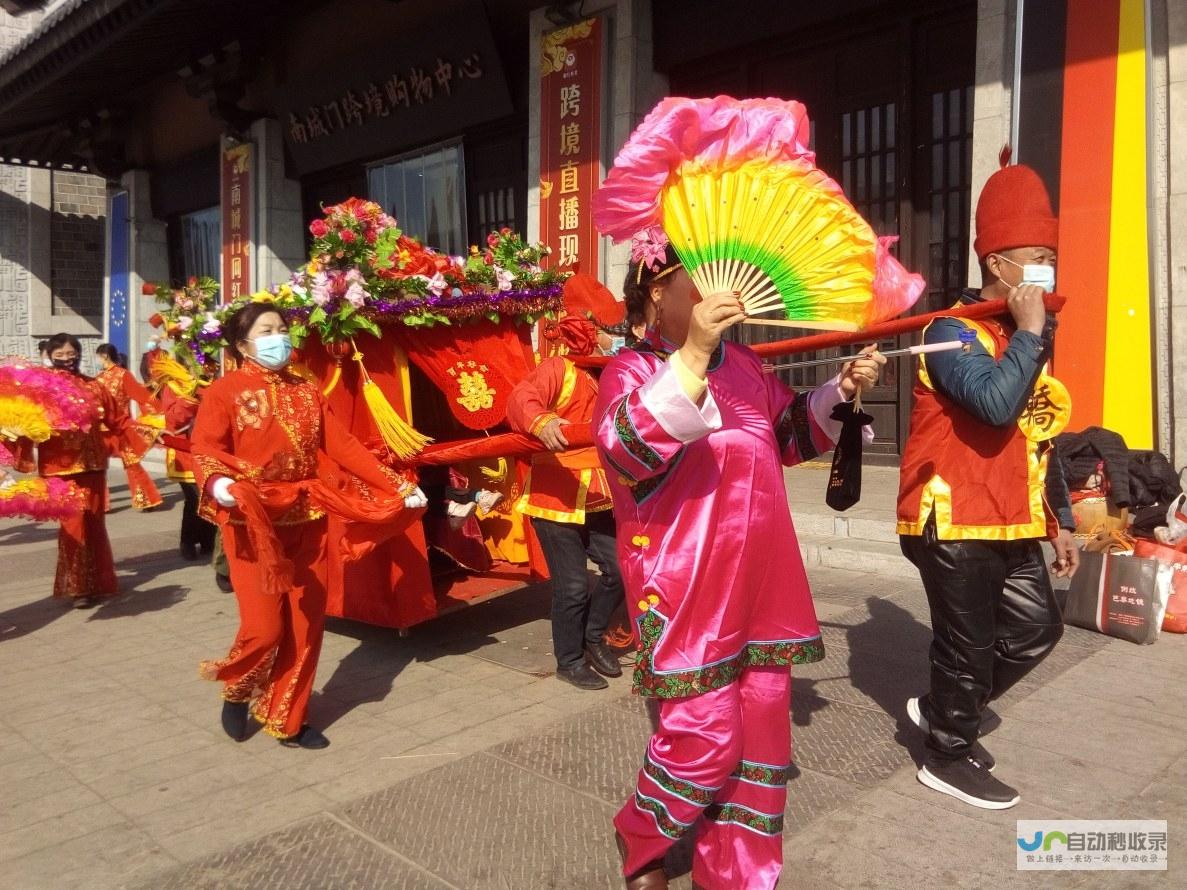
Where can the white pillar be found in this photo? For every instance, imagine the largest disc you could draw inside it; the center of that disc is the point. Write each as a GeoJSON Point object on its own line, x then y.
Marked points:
{"type": "Point", "coordinates": [1173, 140]}
{"type": "Point", "coordinates": [148, 253]}
{"type": "Point", "coordinates": [279, 224]}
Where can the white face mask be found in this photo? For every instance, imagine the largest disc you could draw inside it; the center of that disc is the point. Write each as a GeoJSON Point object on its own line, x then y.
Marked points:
{"type": "Point", "coordinates": [1037, 274]}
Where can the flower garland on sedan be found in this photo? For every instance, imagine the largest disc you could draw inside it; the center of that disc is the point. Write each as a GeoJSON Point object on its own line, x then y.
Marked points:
{"type": "Point", "coordinates": [364, 272]}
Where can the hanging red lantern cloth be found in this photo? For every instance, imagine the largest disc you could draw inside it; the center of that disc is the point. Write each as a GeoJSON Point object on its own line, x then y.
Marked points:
{"type": "Point", "coordinates": [474, 364]}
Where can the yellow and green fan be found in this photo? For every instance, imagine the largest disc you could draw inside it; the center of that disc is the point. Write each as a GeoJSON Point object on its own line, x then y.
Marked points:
{"type": "Point", "coordinates": [735, 189]}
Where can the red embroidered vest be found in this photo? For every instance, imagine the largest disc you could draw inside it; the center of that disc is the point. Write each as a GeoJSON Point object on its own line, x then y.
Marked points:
{"type": "Point", "coordinates": [983, 482]}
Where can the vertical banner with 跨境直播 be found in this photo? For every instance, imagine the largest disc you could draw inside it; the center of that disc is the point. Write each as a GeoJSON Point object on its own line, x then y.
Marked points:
{"type": "Point", "coordinates": [236, 221]}
{"type": "Point", "coordinates": [570, 143]}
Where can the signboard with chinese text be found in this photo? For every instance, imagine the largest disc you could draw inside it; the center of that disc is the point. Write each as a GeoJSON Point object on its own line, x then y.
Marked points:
{"type": "Point", "coordinates": [570, 143]}
{"type": "Point", "coordinates": [422, 86]}
{"type": "Point", "coordinates": [236, 221]}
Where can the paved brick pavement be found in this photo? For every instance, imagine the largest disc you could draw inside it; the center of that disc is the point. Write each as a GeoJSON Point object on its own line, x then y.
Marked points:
{"type": "Point", "coordinates": [454, 764]}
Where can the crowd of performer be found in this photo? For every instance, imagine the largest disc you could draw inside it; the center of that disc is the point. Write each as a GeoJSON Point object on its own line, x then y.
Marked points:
{"type": "Point", "coordinates": [676, 504]}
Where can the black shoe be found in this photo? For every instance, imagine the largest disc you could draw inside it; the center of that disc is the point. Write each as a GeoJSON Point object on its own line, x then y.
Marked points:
{"type": "Point", "coordinates": [917, 711]}
{"type": "Point", "coordinates": [224, 583]}
{"type": "Point", "coordinates": [602, 660]}
{"type": "Point", "coordinates": [235, 719]}
{"type": "Point", "coordinates": [85, 602]}
{"type": "Point", "coordinates": [189, 552]}
{"type": "Point", "coordinates": [309, 738]}
{"type": "Point", "coordinates": [969, 781]}
{"type": "Point", "coordinates": [582, 676]}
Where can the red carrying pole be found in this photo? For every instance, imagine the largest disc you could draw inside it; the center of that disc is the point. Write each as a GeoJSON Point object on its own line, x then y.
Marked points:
{"type": "Point", "coordinates": [580, 435]}
{"type": "Point", "coordinates": [893, 328]}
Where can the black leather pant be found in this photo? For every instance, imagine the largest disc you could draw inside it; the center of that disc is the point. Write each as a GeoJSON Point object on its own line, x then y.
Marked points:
{"type": "Point", "coordinates": [994, 617]}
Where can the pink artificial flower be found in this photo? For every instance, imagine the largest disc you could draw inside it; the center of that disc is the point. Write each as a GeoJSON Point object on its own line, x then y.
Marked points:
{"type": "Point", "coordinates": [505, 278]}
{"type": "Point", "coordinates": [437, 284]}
{"type": "Point", "coordinates": [184, 323]}
{"type": "Point", "coordinates": [318, 228]}
{"type": "Point", "coordinates": [650, 247]}
{"type": "Point", "coordinates": [320, 291]}
{"type": "Point", "coordinates": [355, 295]}
{"type": "Point", "coordinates": [347, 236]}
{"type": "Point", "coordinates": [212, 325]}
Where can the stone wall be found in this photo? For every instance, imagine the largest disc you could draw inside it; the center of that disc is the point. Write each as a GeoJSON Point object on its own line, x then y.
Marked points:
{"type": "Point", "coordinates": [77, 236]}
{"type": "Point", "coordinates": [14, 224]}
{"type": "Point", "coordinates": [14, 261]}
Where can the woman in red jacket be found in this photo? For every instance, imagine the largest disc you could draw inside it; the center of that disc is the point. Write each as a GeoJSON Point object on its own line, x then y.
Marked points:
{"type": "Point", "coordinates": [270, 462]}
{"type": "Point", "coordinates": [125, 389]}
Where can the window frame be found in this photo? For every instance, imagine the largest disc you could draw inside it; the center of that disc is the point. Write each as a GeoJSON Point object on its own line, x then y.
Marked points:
{"type": "Point", "coordinates": [463, 183]}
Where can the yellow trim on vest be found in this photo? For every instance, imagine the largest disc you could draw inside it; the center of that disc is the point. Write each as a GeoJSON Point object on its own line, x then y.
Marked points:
{"type": "Point", "coordinates": [937, 496]}
{"type": "Point", "coordinates": [576, 516]}
{"type": "Point", "coordinates": [983, 337]}
{"type": "Point", "coordinates": [568, 385]}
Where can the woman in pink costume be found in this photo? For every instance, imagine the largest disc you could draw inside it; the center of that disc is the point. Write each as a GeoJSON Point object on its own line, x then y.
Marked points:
{"type": "Point", "coordinates": [694, 435]}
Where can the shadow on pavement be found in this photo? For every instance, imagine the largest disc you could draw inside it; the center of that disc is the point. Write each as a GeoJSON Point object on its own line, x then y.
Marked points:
{"type": "Point", "coordinates": [31, 617]}
{"type": "Point", "coordinates": [140, 601]}
{"type": "Point", "coordinates": [28, 534]}
{"type": "Point", "coordinates": [366, 674]}
{"type": "Point", "coordinates": [888, 664]}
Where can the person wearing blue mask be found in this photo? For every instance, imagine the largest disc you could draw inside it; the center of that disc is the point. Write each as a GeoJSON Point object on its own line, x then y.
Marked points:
{"type": "Point", "coordinates": [271, 462]}
{"type": "Point", "coordinates": [980, 489]}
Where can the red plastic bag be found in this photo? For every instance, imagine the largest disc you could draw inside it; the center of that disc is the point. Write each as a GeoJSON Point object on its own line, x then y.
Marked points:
{"type": "Point", "coordinates": [1176, 605]}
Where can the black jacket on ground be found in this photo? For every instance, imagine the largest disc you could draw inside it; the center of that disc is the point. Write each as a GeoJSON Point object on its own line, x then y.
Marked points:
{"type": "Point", "coordinates": [1080, 453]}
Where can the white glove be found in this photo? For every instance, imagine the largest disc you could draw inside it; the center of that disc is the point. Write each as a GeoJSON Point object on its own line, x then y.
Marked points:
{"type": "Point", "coordinates": [220, 490]}
{"type": "Point", "coordinates": [416, 500]}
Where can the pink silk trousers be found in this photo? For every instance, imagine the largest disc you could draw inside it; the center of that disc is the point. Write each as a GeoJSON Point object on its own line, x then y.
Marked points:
{"type": "Point", "coordinates": [724, 755]}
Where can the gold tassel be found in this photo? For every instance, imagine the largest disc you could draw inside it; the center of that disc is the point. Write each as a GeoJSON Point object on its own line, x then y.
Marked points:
{"type": "Point", "coordinates": [337, 375]}
{"type": "Point", "coordinates": [400, 436]}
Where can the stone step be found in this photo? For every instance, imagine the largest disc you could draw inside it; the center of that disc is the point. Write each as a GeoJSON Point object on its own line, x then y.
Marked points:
{"type": "Point", "coordinates": [855, 555]}
{"type": "Point", "coordinates": [833, 525]}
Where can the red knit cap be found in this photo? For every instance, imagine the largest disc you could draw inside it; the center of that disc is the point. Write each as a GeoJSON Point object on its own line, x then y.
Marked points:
{"type": "Point", "coordinates": [1014, 211]}
{"type": "Point", "coordinates": [589, 298]}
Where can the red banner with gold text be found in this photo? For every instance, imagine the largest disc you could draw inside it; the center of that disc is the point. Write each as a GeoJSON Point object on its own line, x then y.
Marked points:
{"type": "Point", "coordinates": [570, 143]}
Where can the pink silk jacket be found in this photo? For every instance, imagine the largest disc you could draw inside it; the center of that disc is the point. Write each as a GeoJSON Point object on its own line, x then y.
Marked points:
{"type": "Point", "coordinates": [709, 556]}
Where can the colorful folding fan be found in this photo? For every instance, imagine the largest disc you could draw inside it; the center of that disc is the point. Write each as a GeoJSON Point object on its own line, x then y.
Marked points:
{"type": "Point", "coordinates": [734, 186]}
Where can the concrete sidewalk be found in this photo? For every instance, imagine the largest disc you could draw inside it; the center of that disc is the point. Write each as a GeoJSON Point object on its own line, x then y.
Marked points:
{"type": "Point", "coordinates": [451, 768]}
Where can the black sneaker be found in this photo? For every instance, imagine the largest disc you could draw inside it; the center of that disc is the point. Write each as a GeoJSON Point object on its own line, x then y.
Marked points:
{"type": "Point", "coordinates": [917, 712]}
{"type": "Point", "coordinates": [602, 660]}
{"type": "Point", "coordinates": [223, 582]}
{"type": "Point", "coordinates": [582, 676]}
{"type": "Point", "coordinates": [967, 780]}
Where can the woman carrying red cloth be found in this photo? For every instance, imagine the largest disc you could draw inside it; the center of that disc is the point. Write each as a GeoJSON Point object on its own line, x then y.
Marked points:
{"type": "Point", "coordinates": [179, 397]}
{"type": "Point", "coordinates": [125, 389]}
{"type": "Point", "coordinates": [86, 571]}
{"type": "Point", "coordinates": [270, 461]}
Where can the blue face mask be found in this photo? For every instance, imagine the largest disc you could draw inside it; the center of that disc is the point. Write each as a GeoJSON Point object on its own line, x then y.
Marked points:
{"type": "Point", "coordinates": [273, 351]}
{"type": "Point", "coordinates": [1035, 273]}
{"type": "Point", "coordinates": [616, 343]}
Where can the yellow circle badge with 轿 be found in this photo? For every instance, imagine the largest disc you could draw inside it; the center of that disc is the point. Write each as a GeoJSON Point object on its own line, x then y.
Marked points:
{"type": "Point", "coordinates": [1047, 411]}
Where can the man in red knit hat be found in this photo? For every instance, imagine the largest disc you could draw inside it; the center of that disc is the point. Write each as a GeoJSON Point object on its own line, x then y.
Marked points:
{"type": "Point", "coordinates": [980, 489]}
{"type": "Point", "coordinates": [566, 495]}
